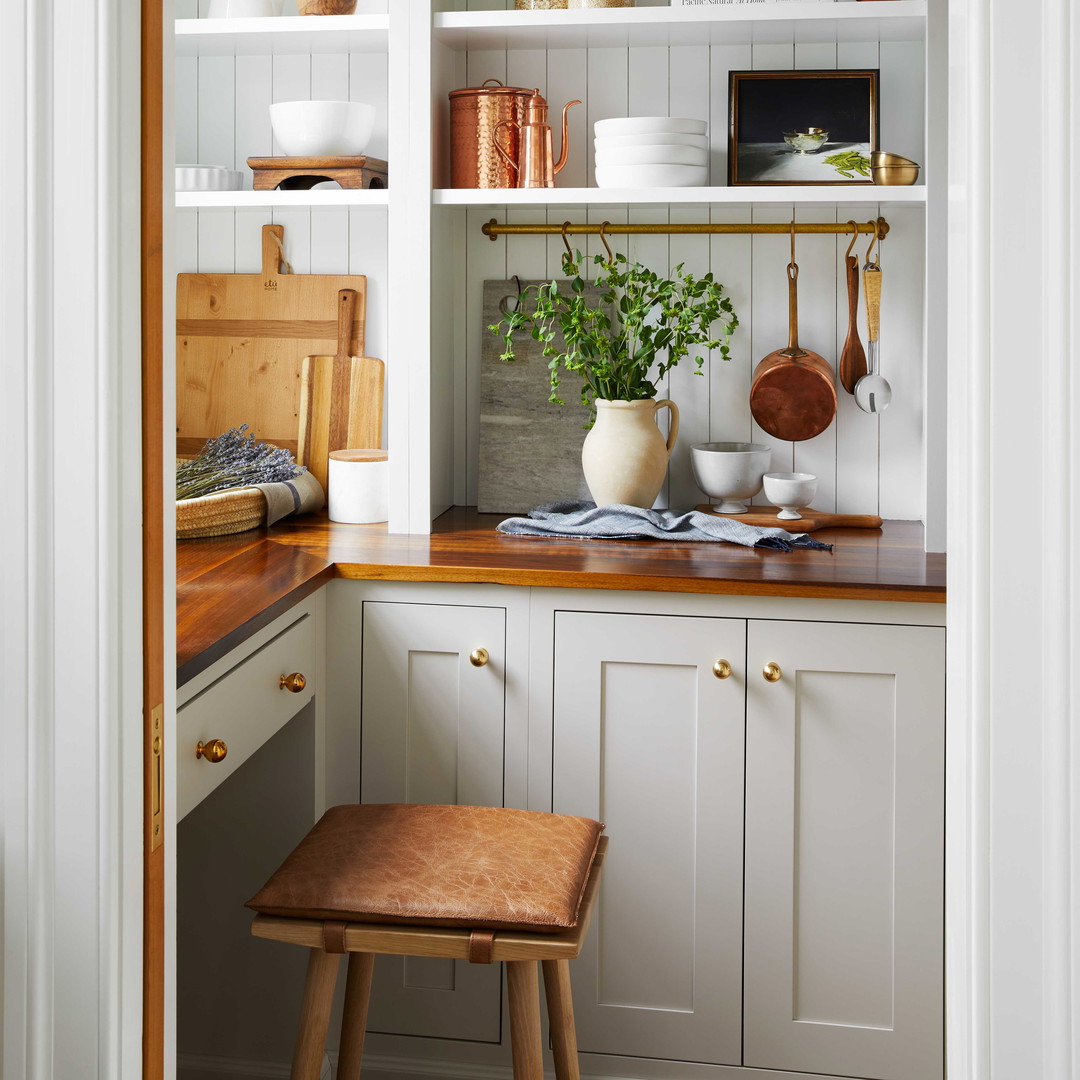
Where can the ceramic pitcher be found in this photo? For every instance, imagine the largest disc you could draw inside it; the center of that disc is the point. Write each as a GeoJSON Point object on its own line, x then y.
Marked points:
{"type": "Point", "coordinates": [625, 456]}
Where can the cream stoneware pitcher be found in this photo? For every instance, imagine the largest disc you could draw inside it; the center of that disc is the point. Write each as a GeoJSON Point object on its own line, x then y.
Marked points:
{"type": "Point", "coordinates": [625, 456]}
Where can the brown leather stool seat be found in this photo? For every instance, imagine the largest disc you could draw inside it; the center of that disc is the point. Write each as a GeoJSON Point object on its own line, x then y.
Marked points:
{"type": "Point", "coordinates": [468, 882]}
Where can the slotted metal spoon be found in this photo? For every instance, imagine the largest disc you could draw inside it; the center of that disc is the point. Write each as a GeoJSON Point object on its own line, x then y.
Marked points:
{"type": "Point", "coordinates": [872, 392]}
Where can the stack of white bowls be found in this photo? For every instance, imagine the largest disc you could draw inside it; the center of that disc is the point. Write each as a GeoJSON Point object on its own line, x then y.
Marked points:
{"type": "Point", "coordinates": [651, 151]}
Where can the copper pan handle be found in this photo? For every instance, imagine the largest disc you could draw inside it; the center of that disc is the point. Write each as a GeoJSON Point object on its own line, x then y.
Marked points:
{"type": "Point", "coordinates": [793, 309]}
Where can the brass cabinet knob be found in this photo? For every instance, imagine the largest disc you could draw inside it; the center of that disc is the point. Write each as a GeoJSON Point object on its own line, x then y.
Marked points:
{"type": "Point", "coordinates": [213, 751]}
{"type": "Point", "coordinates": [721, 669]}
{"type": "Point", "coordinates": [294, 683]}
{"type": "Point", "coordinates": [771, 672]}
{"type": "Point", "coordinates": [479, 657]}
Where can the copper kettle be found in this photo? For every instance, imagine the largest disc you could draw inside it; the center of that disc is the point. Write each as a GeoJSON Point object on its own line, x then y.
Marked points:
{"type": "Point", "coordinates": [536, 165]}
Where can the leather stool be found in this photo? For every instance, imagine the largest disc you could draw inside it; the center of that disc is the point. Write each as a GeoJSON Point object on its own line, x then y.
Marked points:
{"type": "Point", "coordinates": [464, 882]}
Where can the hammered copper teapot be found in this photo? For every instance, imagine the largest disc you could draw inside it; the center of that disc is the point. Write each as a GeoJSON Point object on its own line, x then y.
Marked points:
{"type": "Point", "coordinates": [535, 165]}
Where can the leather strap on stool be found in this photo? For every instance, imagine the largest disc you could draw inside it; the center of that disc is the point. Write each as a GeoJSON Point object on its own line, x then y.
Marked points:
{"type": "Point", "coordinates": [333, 935]}
{"type": "Point", "coordinates": [481, 946]}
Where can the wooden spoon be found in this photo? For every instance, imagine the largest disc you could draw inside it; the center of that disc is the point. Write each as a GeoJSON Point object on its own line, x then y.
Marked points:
{"type": "Point", "coordinates": [852, 357]}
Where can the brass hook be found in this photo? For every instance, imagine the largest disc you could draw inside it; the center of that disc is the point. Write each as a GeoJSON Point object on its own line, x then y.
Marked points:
{"type": "Point", "coordinates": [854, 236]}
{"type": "Point", "coordinates": [603, 240]}
{"type": "Point", "coordinates": [566, 243]}
{"type": "Point", "coordinates": [873, 240]}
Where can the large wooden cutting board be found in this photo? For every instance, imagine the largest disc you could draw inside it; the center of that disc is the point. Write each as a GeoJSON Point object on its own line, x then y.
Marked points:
{"type": "Point", "coordinates": [241, 340]}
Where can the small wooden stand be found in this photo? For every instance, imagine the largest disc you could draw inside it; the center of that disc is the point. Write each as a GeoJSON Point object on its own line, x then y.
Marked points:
{"type": "Point", "coordinates": [303, 173]}
{"type": "Point", "coordinates": [812, 520]}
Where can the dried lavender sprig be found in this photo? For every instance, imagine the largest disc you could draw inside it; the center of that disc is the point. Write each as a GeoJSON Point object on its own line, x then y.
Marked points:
{"type": "Point", "coordinates": [234, 459]}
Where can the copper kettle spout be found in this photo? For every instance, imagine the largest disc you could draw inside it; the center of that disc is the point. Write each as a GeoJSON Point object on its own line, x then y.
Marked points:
{"type": "Point", "coordinates": [565, 141]}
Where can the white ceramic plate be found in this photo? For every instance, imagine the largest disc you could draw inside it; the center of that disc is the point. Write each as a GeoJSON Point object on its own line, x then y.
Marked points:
{"type": "Point", "coordinates": [649, 176]}
{"type": "Point", "coordinates": [656, 138]}
{"type": "Point", "coordinates": [652, 155]}
{"type": "Point", "coordinates": [208, 178]}
{"type": "Point", "coordinates": [646, 125]}
{"type": "Point", "coordinates": [322, 128]}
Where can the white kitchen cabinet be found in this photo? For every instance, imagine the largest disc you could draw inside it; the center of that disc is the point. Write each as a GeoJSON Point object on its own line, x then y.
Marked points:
{"type": "Point", "coordinates": [828, 958]}
{"type": "Point", "coordinates": [432, 732]}
{"type": "Point", "coordinates": [844, 849]}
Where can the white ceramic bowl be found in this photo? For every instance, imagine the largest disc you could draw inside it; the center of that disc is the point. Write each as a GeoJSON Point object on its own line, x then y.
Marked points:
{"type": "Point", "coordinates": [790, 491]}
{"type": "Point", "coordinates": [208, 178]}
{"type": "Point", "coordinates": [651, 155]}
{"type": "Point", "coordinates": [647, 125]}
{"type": "Point", "coordinates": [322, 128]}
{"type": "Point", "coordinates": [244, 9]}
{"type": "Point", "coordinates": [655, 138]}
{"type": "Point", "coordinates": [650, 176]}
{"type": "Point", "coordinates": [730, 472]}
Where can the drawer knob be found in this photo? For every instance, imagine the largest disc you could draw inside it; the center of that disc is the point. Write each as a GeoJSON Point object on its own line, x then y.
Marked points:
{"type": "Point", "coordinates": [294, 683]}
{"type": "Point", "coordinates": [479, 657]}
{"type": "Point", "coordinates": [722, 669]}
{"type": "Point", "coordinates": [213, 751]}
{"type": "Point", "coordinates": [771, 672]}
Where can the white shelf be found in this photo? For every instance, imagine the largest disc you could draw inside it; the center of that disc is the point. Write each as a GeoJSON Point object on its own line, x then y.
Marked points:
{"type": "Point", "coordinates": [319, 35]}
{"type": "Point", "coordinates": [682, 196]}
{"type": "Point", "coordinates": [247, 200]}
{"type": "Point", "coordinates": [796, 21]}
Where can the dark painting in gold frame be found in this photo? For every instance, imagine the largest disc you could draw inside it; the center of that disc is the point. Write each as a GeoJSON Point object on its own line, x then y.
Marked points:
{"type": "Point", "coordinates": [802, 127]}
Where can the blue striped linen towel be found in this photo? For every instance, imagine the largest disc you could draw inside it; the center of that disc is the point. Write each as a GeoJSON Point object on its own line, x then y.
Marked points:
{"type": "Point", "coordinates": [579, 520]}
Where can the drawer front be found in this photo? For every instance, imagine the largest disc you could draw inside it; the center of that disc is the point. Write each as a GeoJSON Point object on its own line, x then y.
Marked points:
{"type": "Point", "coordinates": [244, 708]}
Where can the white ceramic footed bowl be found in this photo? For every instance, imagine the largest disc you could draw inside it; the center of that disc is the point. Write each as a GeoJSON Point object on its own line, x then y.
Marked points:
{"type": "Point", "coordinates": [651, 176]}
{"type": "Point", "coordinates": [652, 155]}
{"type": "Point", "coordinates": [790, 491]}
{"type": "Point", "coordinates": [730, 472]}
{"type": "Point", "coordinates": [647, 125]}
{"type": "Point", "coordinates": [322, 128]}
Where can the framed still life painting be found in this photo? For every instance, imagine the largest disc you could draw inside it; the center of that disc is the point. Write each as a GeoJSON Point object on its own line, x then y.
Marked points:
{"type": "Point", "coordinates": [802, 127]}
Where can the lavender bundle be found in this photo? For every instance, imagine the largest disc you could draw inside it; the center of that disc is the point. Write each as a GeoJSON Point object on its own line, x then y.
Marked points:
{"type": "Point", "coordinates": [233, 460]}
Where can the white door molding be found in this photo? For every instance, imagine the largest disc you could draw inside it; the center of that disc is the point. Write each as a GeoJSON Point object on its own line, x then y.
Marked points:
{"type": "Point", "coordinates": [70, 721]}
{"type": "Point", "coordinates": [1013, 766]}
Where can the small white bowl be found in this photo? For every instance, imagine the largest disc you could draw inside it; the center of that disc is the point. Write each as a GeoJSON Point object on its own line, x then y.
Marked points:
{"type": "Point", "coordinates": [648, 125]}
{"type": "Point", "coordinates": [651, 155]}
{"type": "Point", "coordinates": [655, 138]}
{"type": "Point", "coordinates": [244, 9]}
{"type": "Point", "coordinates": [322, 128]}
{"type": "Point", "coordinates": [730, 472]}
{"type": "Point", "coordinates": [651, 176]}
{"type": "Point", "coordinates": [790, 491]}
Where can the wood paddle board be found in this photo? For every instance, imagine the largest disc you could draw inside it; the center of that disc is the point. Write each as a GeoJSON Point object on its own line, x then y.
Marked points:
{"type": "Point", "coordinates": [811, 520]}
{"type": "Point", "coordinates": [241, 340]}
{"type": "Point", "coordinates": [341, 399]}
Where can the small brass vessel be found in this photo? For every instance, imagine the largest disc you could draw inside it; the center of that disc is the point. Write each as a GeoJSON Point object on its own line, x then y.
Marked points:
{"type": "Point", "coordinates": [892, 169]}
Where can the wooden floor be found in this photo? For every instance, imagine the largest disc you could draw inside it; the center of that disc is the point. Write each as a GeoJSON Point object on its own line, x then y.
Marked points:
{"type": "Point", "coordinates": [229, 587]}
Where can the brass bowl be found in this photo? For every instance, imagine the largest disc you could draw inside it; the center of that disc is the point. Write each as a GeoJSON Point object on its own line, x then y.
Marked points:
{"type": "Point", "coordinates": [894, 175]}
{"type": "Point", "coordinates": [887, 160]}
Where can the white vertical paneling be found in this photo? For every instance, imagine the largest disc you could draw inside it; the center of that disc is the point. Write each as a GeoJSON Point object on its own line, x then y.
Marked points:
{"type": "Point", "coordinates": [484, 64]}
{"type": "Point", "coordinates": [330, 78]}
{"type": "Point", "coordinates": [903, 98]}
{"type": "Point", "coordinates": [723, 59]}
{"type": "Point", "coordinates": [528, 67]}
{"type": "Point", "coordinates": [291, 82]}
{"type": "Point", "coordinates": [366, 230]}
{"type": "Point", "coordinates": [608, 92]}
{"type": "Point", "coordinates": [731, 259]}
{"type": "Point", "coordinates": [186, 242]}
{"type": "Point", "coordinates": [217, 252]}
{"type": "Point", "coordinates": [216, 112]}
{"type": "Point", "coordinates": [526, 256]}
{"type": "Point", "coordinates": [567, 80]}
{"type": "Point", "coordinates": [368, 83]}
{"type": "Point", "coordinates": [254, 85]}
{"type": "Point", "coordinates": [248, 239]}
{"type": "Point", "coordinates": [187, 110]}
{"type": "Point", "coordinates": [186, 9]}
{"type": "Point", "coordinates": [901, 353]}
{"type": "Point", "coordinates": [774, 57]}
{"type": "Point", "coordinates": [813, 56]}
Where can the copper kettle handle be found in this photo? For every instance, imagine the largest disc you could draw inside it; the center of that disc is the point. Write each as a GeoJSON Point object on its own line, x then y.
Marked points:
{"type": "Point", "coordinates": [495, 142]}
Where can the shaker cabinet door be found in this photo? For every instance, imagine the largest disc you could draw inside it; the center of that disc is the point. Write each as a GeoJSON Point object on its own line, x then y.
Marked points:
{"type": "Point", "coordinates": [844, 849]}
{"type": "Point", "coordinates": [649, 740]}
{"type": "Point", "coordinates": [432, 732]}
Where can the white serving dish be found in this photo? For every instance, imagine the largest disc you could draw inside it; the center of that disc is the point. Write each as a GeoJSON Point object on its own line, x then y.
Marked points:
{"type": "Point", "coordinates": [650, 176]}
{"type": "Point", "coordinates": [208, 178]}
{"type": "Point", "coordinates": [647, 125]}
{"type": "Point", "coordinates": [655, 138]}
{"type": "Point", "coordinates": [652, 155]}
{"type": "Point", "coordinates": [322, 128]}
{"type": "Point", "coordinates": [730, 473]}
{"type": "Point", "coordinates": [244, 9]}
{"type": "Point", "coordinates": [791, 491]}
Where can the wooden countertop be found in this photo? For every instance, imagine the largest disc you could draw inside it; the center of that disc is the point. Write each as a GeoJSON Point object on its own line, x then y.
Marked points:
{"type": "Point", "coordinates": [229, 587]}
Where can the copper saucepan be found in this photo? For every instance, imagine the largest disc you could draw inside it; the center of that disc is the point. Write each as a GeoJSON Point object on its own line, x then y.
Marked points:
{"type": "Point", "coordinates": [793, 395]}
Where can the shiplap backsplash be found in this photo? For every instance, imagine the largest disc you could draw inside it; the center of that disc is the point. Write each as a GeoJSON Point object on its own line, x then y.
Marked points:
{"type": "Point", "coordinates": [864, 463]}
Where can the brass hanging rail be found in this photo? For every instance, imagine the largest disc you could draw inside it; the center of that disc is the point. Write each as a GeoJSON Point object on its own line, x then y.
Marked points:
{"type": "Point", "coordinates": [494, 229]}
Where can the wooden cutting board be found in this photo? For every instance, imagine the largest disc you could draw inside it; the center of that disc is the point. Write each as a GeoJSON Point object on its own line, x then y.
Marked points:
{"type": "Point", "coordinates": [341, 399]}
{"type": "Point", "coordinates": [241, 340]}
{"type": "Point", "coordinates": [812, 520]}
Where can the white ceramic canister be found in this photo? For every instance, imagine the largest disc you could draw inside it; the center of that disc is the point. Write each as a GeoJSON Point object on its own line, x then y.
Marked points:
{"type": "Point", "coordinates": [359, 486]}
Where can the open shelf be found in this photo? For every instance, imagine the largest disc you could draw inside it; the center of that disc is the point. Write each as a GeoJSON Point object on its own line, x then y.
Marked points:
{"type": "Point", "coordinates": [288, 35]}
{"type": "Point", "coordinates": [247, 200]}
{"type": "Point", "coordinates": [682, 196]}
{"type": "Point", "coordinates": [797, 21]}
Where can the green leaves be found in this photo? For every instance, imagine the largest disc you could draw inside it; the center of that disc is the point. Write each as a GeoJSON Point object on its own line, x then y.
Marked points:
{"type": "Point", "coordinates": [640, 325]}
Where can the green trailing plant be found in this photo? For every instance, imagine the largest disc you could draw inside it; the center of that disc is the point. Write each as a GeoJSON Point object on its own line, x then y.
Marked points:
{"type": "Point", "coordinates": [624, 341]}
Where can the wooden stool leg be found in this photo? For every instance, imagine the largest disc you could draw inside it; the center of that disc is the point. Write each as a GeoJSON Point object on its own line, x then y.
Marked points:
{"type": "Point", "coordinates": [523, 983]}
{"type": "Point", "coordinates": [315, 1015]}
{"type": "Point", "coordinates": [560, 1005]}
{"type": "Point", "coordinates": [354, 1016]}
